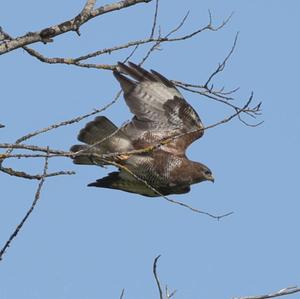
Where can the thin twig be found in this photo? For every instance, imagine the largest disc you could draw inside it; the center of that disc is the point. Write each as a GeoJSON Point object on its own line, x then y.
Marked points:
{"type": "Point", "coordinates": [154, 19]}
{"type": "Point", "coordinates": [36, 198]}
{"type": "Point", "coordinates": [282, 292]}
{"type": "Point", "coordinates": [160, 39]}
{"type": "Point", "coordinates": [122, 294]}
{"type": "Point", "coordinates": [221, 66]}
{"type": "Point", "coordinates": [131, 54]}
{"type": "Point", "coordinates": [218, 217]}
{"type": "Point", "coordinates": [68, 122]}
{"type": "Point", "coordinates": [25, 175]}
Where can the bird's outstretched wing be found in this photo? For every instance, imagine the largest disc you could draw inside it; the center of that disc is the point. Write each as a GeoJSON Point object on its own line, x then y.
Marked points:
{"type": "Point", "coordinates": [159, 108]}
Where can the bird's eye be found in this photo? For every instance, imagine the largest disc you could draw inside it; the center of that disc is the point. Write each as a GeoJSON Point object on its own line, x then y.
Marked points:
{"type": "Point", "coordinates": [207, 172]}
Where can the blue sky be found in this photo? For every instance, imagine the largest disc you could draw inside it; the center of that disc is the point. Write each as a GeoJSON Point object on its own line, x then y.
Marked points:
{"type": "Point", "coordinates": [90, 243]}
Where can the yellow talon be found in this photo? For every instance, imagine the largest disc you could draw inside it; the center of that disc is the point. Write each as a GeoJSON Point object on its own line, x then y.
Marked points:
{"type": "Point", "coordinates": [122, 157]}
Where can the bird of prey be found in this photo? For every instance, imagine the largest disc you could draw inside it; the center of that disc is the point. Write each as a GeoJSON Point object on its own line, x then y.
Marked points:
{"type": "Point", "coordinates": [160, 114]}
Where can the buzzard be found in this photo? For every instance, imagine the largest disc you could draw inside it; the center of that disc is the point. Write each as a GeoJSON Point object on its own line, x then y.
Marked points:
{"type": "Point", "coordinates": [160, 114]}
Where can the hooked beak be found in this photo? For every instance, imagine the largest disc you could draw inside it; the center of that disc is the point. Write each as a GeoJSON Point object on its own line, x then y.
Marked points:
{"type": "Point", "coordinates": [211, 178]}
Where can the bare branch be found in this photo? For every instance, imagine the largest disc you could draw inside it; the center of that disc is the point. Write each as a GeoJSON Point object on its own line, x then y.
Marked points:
{"type": "Point", "coordinates": [122, 294]}
{"type": "Point", "coordinates": [33, 148]}
{"type": "Point", "coordinates": [46, 35]}
{"type": "Point", "coordinates": [221, 66]}
{"type": "Point", "coordinates": [36, 198]}
{"type": "Point", "coordinates": [282, 292]}
{"type": "Point", "coordinates": [25, 175]}
{"type": "Point", "coordinates": [168, 295]}
{"type": "Point", "coordinates": [219, 95]}
{"type": "Point", "coordinates": [131, 54]}
{"type": "Point", "coordinates": [157, 41]}
{"type": "Point", "coordinates": [155, 19]}
{"type": "Point", "coordinates": [67, 122]}
{"type": "Point", "coordinates": [156, 277]}
{"type": "Point", "coordinates": [64, 123]}
{"type": "Point", "coordinates": [180, 25]}
{"type": "Point", "coordinates": [160, 39]}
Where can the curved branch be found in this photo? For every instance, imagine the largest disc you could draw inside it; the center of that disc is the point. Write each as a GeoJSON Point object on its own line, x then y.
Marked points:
{"type": "Point", "coordinates": [156, 277]}
{"type": "Point", "coordinates": [282, 292]}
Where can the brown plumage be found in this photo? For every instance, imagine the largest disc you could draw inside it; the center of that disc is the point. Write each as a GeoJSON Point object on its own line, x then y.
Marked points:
{"type": "Point", "coordinates": [160, 112]}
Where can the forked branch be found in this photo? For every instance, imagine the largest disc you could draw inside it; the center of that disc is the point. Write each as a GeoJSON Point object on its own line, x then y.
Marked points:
{"type": "Point", "coordinates": [282, 292]}
{"type": "Point", "coordinates": [47, 34]}
{"type": "Point", "coordinates": [168, 295]}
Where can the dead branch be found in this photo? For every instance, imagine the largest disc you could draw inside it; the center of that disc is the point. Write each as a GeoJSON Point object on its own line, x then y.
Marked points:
{"type": "Point", "coordinates": [68, 122]}
{"type": "Point", "coordinates": [154, 19]}
{"type": "Point", "coordinates": [47, 34]}
{"type": "Point", "coordinates": [156, 277]}
{"type": "Point", "coordinates": [160, 40]}
{"type": "Point", "coordinates": [167, 295]}
{"type": "Point", "coordinates": [220, 95]}
{"type": "Point", "coordinates": [22, 174]}
{"type": "Point", "coordinates": [36, 198]}
{"type": "Point", "coordinates": [221, 66]}
{"type": "Point", "coordinates": [25, 175]}
{"type": "Point", "coordinates": [156, 42]}
{"type": "Point", "coordinates": [282, 292]}
{"type": "Point", "coordinates": [122, 294]}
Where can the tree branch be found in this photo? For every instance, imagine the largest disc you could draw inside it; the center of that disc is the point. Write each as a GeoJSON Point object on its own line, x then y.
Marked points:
{"type": "Point", "coordinates": [122, 294]}
{"type": "Point", "coordinates": [154, 19]}
{"type": "Point", "coordinates": [46, 35]}
{"type": "Point", "coordinates": [36, 198]}
{"type": "Point", "coordinates": [282, 292]}
{"type": "Point", "coordinates": [25, 175]}
{"type": "Point", "coordinates": [156, 277]}
{"type": "Point", "coordinates": [157, 41]}
{"type": "Point", "coordinates": [159, 287]}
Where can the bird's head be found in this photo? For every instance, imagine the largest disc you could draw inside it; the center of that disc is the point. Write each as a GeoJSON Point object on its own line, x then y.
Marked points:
{"type": "Point", "coordinates": [202, 173]}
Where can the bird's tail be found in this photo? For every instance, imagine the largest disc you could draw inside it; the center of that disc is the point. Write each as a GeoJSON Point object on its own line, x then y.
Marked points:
{"type": "Point", "coordinates": [100, 136]}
